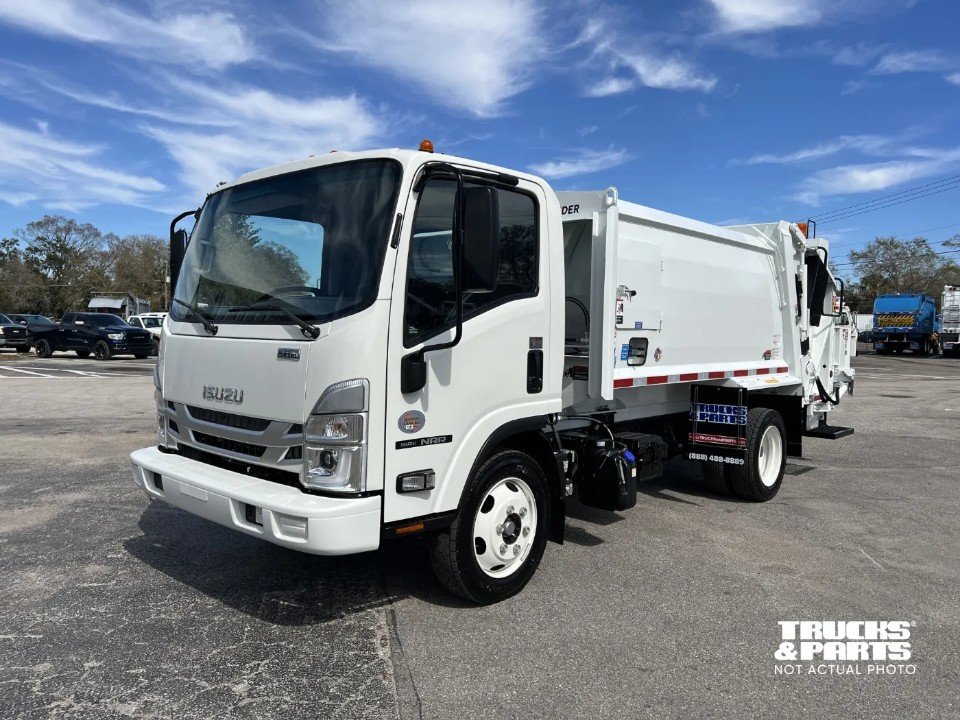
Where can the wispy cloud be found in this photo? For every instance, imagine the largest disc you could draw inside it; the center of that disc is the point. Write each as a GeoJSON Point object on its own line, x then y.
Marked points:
{"type": "Point", "coordinates": [59, 173]}
{"type": "Point", "coordinates": [906, 61]}
{"type": "Point", "coordinates": [625, 63]}
{"type": "Point", "coordinates": [851, 87]}
{"type": "Point", "coordinates": [207, 39]}
{"type": "Point", "coordinates": [873, 177]}
{"type": "Point", "coordinates": [586, 130]}
{"type": "Point", "coordinates": [472, 58]}
{"type": "Point", "coordinates": [869, 144]}
{"type": "Point", "coordinates": [953, 78]}
{"type": "Point", "coordinates": [582, 162]}
{"type": "Point", "coordinates": [751, 16]}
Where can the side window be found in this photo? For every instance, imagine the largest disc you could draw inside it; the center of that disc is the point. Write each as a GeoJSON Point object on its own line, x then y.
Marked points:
{"type": "Point", "coordinates": [68, 318]}
{"type": "Point", "coordinates": [430, 305]}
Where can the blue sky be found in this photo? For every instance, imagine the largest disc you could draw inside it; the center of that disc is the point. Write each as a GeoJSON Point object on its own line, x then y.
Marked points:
{"type": "Point", "coordinates": [124, 113]}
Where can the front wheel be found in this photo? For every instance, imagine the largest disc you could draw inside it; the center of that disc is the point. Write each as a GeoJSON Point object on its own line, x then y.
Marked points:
{"type": "Point", "coordinates": [761, 475]}
{"type": "Point", "coordinates": [43, 349]}
{"type": "Point", "coordinates": [497, 541]}
{"type": "Point", "coordinates": [101, 351]}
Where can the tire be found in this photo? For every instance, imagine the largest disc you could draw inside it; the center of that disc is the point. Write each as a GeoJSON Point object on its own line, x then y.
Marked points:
{"type": "Point", "coordinates": [83, 353]}
{"type": "Point", "coordinates": [141, 356]}
{"type": "Point", "coordinates": [508, 481]}
{"type": "Point", "coordinates": [101, 351]}
{"type": "Point", "coordinates": [716, 476]}
{"type": "Point", "coordinates": [759, 479]}
{"type": "Point", "coordinates": [43, 349]}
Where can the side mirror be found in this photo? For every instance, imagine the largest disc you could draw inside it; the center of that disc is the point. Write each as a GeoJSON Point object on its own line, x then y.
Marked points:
{"type": "Point", "coordinates": [413, 373]}
{"type": "Point", "coordinates": [481, 239]}
{"type": "Point", "coordinates": [178, 246]}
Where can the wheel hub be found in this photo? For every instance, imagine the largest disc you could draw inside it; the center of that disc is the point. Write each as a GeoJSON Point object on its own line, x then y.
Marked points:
{"type": "Point", "coordinates": [504, 527]}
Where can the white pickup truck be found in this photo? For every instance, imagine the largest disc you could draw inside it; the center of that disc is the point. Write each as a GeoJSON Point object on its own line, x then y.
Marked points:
{"type": "Point", "coordinates": [366, 346]}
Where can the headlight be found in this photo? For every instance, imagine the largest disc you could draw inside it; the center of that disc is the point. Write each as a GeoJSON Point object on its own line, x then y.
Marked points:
{"type": "Point", "coordinates": [1, 331]}
{"type": "Point", "coordinates": [116, 336]}
{"type": "Point", "coordinates": [334, 439]}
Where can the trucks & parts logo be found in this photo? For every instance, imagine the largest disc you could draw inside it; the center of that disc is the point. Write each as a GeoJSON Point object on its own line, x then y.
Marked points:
{"type": "Point", "coordinates": [844, 647]}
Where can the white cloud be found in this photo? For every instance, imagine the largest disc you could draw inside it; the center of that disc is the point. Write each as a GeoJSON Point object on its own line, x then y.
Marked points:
{"type": "Point", "coordinates": [953, 78]}
{"type": "Point", "coordinates": [750, 16]}
{"type": "Point", "coordinates": [624, 63]}
{"type": "Point", "coordinates": [586, 130]}
{"type": "Point", "coordinates": [211, 39]}
{"type": "Point", "coordinates": [37, 166]}
{"type": "Point", "coordinates": [870, 144]}
{"type": "Point", "coordinates": [851, 87]}
{"type": "Point", "coordinates": [471, 56]}
{"type": "Point", "coordinates": [582, 162]}
{"type": "Point", "coordinates": [872, 177]}
{"type": "Point", "coordinates": [263, 128]}
{"type": "Point", "coordinates": [913, 61]}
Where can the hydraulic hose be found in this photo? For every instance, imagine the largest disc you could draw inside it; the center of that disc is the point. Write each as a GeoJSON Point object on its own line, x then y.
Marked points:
{"type": "Point", "coordinates": [823, 393]}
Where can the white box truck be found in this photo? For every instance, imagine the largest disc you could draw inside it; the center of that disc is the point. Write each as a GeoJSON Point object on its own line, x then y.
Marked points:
{"type": "Point", "coordinates": [950, 321]}
{"type": "Point", "coordinates": [366, 346]}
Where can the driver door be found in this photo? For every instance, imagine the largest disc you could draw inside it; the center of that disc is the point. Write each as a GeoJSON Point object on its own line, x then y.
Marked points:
{"type": "Point", "coordinates": [482, 383]}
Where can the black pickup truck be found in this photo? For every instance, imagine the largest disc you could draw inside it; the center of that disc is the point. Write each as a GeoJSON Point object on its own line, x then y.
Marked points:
{"type": "Point", "coordinates": [102, 334]}
{"type": "Point", "coordinates": [13, 335]}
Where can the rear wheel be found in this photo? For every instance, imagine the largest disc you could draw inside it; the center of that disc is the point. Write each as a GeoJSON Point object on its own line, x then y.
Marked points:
{"type": "Point", "coordinates": [760, 477]}
{"type": "Point", "coordinates": [497, 541]}
{"type": "Point", "coordinates": [716, 476]}
{"type": "Point", "coordinates": [43, 349]}
{"type": "Point", "coordinates": [83, 353]}
{"type": "Point", "coordinates": [101, 351]}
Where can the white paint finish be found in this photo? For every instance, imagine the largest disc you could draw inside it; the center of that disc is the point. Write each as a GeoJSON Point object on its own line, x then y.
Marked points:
{"type": "Point", "coordinates": [335, 526]}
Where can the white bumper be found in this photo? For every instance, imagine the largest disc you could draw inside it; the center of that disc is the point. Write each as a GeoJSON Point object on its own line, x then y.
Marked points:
{"type": "Point", "coordinates": [297, 520]}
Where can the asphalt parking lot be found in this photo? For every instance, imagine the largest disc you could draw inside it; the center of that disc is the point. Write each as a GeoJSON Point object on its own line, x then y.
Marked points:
{"type": "Point", "coordinates": [113, 606]}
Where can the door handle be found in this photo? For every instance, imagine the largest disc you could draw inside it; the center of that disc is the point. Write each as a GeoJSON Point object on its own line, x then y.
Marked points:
{"type": "Point", "coordinates": [534, 371]}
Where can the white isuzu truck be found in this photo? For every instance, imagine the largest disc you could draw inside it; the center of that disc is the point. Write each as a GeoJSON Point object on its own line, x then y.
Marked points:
{"type": "Point", "coordinates": [366, 346]}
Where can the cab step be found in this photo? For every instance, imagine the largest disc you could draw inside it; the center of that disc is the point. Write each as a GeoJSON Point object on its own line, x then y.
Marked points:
{"type": "Point", "coordinates": [829, 432]}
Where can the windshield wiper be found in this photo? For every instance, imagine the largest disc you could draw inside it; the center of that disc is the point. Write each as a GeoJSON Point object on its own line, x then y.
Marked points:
{"type": "Point", "coordinates": [204, 318]}
{"type": "Point", "coordinates": [311, 331]}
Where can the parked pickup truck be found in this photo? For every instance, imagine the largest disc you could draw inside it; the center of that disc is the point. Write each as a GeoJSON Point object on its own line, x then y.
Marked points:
{"type": "Point", "coordinates": [13, 336]}
{"type": "Point", "coordinates": [102, 334]}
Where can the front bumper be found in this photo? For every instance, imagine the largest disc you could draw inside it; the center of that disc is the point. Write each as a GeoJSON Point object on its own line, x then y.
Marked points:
{"type": "Point", "coordinates": [309, 523]}
{"type": "Point", "coordinates": [17, 342]}
{"type": "Point", "coordinates": [123, 348]}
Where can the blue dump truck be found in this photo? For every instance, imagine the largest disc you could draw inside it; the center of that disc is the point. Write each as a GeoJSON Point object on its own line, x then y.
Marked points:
{"type": "Point", "coordinates": [905, 321]}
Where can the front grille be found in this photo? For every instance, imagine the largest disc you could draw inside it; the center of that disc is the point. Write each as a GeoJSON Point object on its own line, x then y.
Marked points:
{"type": "Point", "coordinates": [241, 448]}
{"type": "Point", "coordinates": [218, 417]}
{"type": "Point", "coordinates": [294, 453]}
{"type": "Point", "coordinates": [282, 477]}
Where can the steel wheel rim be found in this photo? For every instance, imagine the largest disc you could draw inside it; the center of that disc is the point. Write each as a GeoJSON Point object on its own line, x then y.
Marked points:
{"type": "Point", "coordinates": [771, 456]}
{"type": "Point", "coordinates": [99, 353]}
{"type": "Point", "coordinates": [504, 527]}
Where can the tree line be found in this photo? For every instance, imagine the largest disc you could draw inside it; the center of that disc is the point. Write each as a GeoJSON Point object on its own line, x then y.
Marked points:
{"type": "Point", "coordinates": [54, 264]}
{"type": "Point", "coordinates": [894, 265]}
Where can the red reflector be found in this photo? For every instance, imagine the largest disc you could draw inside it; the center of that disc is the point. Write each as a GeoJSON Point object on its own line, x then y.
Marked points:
{"type": "Point", "coordinates": [741, 373]}
{"type": "Point", "coordinates": [406, 529]}
{"type": "Point", "coordinates": [783, 369]}
{"type": "Point", "coordinates": [686, 377]}
{"type": "Point", "coordinates": [658, 380]}
{"type": "Point", "coordinates": [627, 382]}
{"type": "Point", "coordinates": [763, 371]}
{"type": "Point", "coordinates": [717, 375]}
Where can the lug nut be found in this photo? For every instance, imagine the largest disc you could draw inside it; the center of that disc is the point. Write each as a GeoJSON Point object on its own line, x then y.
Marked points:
{"type": "Point", "coordinates": [499, 529]}
{"type": "Point", "coordinates": [509, 509]}
{"type": "Point", "coordinates": [503, 549]}
{"type": "Point", "coordinates": [526, 531]}
{"type": "Point", "coordinates": [523, 512]}
{"type": "Point", "coordinates": [516, 549]}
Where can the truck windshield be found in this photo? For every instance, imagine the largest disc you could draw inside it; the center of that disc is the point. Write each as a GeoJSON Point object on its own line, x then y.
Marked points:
{"type": "Point", "coordinates": [311, 241]}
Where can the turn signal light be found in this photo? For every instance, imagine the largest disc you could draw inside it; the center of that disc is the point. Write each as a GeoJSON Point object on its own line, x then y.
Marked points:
{"type": "Point", "coordinates": [803, 228]}
{"type": "Point", "coordinates": [426, 146]}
